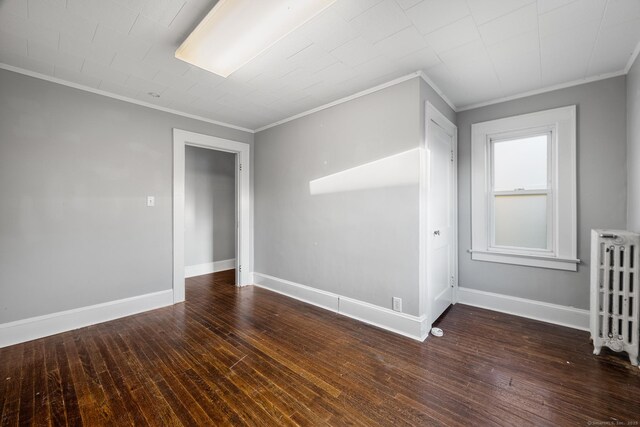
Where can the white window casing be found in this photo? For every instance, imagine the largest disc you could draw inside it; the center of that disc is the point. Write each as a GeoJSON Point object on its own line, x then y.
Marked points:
{"type": "Point", "coordinates": [559, 125]}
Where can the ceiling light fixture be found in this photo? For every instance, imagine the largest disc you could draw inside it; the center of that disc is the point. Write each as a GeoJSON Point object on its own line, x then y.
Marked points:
{"type": "Point", "coordinates": [237, 31]}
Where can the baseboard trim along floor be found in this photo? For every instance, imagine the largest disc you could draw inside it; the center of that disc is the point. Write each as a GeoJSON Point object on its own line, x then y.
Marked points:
{"type": "Point", "coordinates": [551, 313]}
{"type": "Point", "coordinates": [400, 323]}
{"type": "Point", "coordinates": [63, 321]}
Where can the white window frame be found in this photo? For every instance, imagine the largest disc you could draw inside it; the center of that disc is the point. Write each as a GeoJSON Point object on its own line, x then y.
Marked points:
{"type": "Point", "coordinates": [561, 250]}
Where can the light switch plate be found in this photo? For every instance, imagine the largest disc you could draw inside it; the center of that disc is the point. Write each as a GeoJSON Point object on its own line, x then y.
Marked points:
{"type": "Point", "coordinates": [151, 201]}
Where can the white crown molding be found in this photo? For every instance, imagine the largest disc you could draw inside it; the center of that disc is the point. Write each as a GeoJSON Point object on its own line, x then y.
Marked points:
{"type": "Point", "coordinates": [343, 100]}
{"type": "Point", "coordinates": [570, 317]}
{"type": "Point", "coordinates": [50, 324]}
{"type": "Point", "coordinates": [439, 91]}
{"type": "Point", "coordinates": [632, 58]}
{"type": "Point", "coordinates": [543, 90]}
{"type": "Point", "coordinates": [404, 324]}
{"type": "Point", "coordinates": [118, 97]}
{"type": "Point", "coordinates": [377, 88]}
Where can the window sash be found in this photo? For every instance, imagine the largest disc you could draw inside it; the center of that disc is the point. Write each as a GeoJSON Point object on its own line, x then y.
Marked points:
{"type": "Point", "coordinates": [548, 192]}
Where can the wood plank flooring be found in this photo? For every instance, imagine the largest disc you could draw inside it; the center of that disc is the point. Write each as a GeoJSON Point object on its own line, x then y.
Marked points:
{"type": "Point", "coordinates": [248, 356]}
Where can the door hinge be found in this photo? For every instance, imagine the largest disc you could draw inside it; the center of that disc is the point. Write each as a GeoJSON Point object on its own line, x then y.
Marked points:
{"type": "Point", "coordinates": [452, 156]}
{"type": "Point", "coordinates": [452, 281]}
{"type": "Point", "coordinates": [240, 167]}
{"type": "Point", "coordinates": [239, 268]}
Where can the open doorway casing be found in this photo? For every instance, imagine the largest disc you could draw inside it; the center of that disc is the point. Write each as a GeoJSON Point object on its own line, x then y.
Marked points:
{"type": "Point", "coordinates": [244, 239]}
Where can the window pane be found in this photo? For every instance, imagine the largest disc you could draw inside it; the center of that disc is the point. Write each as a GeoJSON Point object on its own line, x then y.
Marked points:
{"type": "Point", "coordinates": [521, 221]}
{"type": "Point", "coordinates": [520, 163]}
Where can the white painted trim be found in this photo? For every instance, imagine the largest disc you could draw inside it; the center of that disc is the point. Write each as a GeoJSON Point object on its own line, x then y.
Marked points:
{"type": "Point", "coordinates": [244, 201]}
{"type": "Point", "coordinates": [118, 97]}
{"type": "Point", "coordinates": [439, 91]}
{"type": "Point", "coordinates": [432, 114]}
{"type": "Point", "coordinates": [400, 323]}
{"type": "Point", "coordinates": [543, 90]}
{"type": "Point", "coordinates": [209, 267]}
{"type": "Point", "coordinates": [563, 123]}
{"type": "Point", "coordinates": [420, 74]}
{"type": "Point", "coordinates": [323, 299]}
{"type": "Point", "coordinates": [42, 326]}
{"type": "Point", "coordinates": [343, 100]}
{"type": "Point", "coordinates": [632, 58]}
{"type": "Point", "coordinates": [562, 315]}
{"type": "Point", "coordinates": [554, 263]}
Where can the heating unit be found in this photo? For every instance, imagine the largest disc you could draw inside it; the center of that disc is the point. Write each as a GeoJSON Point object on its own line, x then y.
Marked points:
{"type": "Point", "coordinates": [615, 296]}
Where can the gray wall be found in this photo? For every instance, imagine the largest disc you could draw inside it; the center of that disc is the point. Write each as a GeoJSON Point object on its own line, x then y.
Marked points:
{"type": "Point", "coordinates": [428, 94]}
{"type": "Point", "coordinates": [209, 206]}
{"type": "Point", "coordinates": [360, 244]}
{"type": "Point", "coordinates": [75, 170]}
{"type": "Point", "coordinates": [633, 150]}
{"type": "Point", "coordinates": [602, 189]}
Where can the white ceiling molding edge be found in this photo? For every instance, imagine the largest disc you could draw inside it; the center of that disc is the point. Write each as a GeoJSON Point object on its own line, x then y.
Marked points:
{"type": "Point", "coordinates": [343, 100]}
{"type": "Point", "coordinates": [390, 83]}
{"type": "Point", "coordinates": [36, 75]}
{"type": "Point", "coordinates": [543, 90]}
{"type": "Point", "coordinates": [438, 90]}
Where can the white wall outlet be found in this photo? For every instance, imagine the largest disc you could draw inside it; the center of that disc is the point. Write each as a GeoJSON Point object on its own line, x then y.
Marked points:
{"type": "Point", "coordinates": [397, 304]}
{"type": "Point", "coordinates": [151, 201]}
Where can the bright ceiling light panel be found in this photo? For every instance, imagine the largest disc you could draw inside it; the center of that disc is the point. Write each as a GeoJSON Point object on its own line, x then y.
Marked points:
{"type": "Point", "coordinates": [237, 31]}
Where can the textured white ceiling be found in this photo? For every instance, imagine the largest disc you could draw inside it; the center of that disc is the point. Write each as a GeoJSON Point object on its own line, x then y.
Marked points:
{"type": "Point", "coordinates": [474, 50]}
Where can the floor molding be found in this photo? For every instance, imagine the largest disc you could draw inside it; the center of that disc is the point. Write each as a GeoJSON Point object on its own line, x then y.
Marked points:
{"type": "Point", "coordinates": [209, 267]}
{"type": "Point", "coordinates": [63, 321]}
{"type": "Point", "coordinates": [570, 317]}
{"type": "Point", "coordinates": [400, 323]}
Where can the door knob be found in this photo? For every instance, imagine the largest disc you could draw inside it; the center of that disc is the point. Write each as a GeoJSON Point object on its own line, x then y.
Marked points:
{"type": "Point", "coordinates": [436, 233]}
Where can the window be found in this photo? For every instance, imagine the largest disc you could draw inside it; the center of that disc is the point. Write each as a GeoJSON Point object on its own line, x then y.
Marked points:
{"type": "Point", "coordinates": [524, 190]}
{"type": "Point", "coordinates": [520, 194]}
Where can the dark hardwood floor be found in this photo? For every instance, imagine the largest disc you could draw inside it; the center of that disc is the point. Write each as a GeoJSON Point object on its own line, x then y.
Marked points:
{"type": "Point", "coordinates": [248, 356]}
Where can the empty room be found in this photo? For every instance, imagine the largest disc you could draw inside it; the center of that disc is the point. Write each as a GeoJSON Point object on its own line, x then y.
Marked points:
{"type": "Point", "coordinates": [319, 212]}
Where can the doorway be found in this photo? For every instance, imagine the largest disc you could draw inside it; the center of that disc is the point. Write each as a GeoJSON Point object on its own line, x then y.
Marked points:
{"type": "Point", "coordinates": [183, 140]}
{"type": "Point", "coordinates": [209, 211]}
{"type": "Point", "coordinates": [441, 213]}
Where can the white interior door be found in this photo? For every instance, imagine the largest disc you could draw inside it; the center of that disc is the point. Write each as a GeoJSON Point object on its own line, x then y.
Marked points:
{"type": "Point", "coordinates": [441, 211]}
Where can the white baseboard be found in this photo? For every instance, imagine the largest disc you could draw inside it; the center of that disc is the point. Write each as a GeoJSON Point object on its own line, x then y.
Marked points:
{"type": "Point", "coordinates": [209, 267]}
{"type": "Point", "coordinates": [63, 321]}
{"type": "Point", "coordinates": [400, 323]}
{"type": "Point", "coordinates": [551, 313]}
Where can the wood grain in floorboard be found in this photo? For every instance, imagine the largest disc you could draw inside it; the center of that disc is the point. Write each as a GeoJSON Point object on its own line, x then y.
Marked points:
{"type": "Point", "coordinates": [247, 356]}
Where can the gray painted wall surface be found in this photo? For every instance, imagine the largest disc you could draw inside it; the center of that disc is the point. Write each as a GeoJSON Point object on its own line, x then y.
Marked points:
{"type": "Point", "coordinates": [209, 206]}
{"type": "Point", "coordinates": [601, 189]}
{"type": "Point", "coordinates": [428, 94]}
{"type": "Point", "coordinates": [75, 170]}
{"type": "Point", "coordinates": [633, 150]}
{"type": "Point", "coordinates": [360, 244]}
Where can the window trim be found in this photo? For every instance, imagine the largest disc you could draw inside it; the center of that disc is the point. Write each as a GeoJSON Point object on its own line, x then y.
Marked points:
{"type": "Point", "coordinates": [561, 251]}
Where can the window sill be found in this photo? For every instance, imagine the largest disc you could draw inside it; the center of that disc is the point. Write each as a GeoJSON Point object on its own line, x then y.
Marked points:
{"type": "Point", "coordinates": [554, 263]}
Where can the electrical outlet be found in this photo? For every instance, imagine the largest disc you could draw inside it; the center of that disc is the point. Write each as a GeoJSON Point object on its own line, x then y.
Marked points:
{"type": "Point", "coordinates": [151, 201]}
{"type": "Point", "coordinates": [397, 304]}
